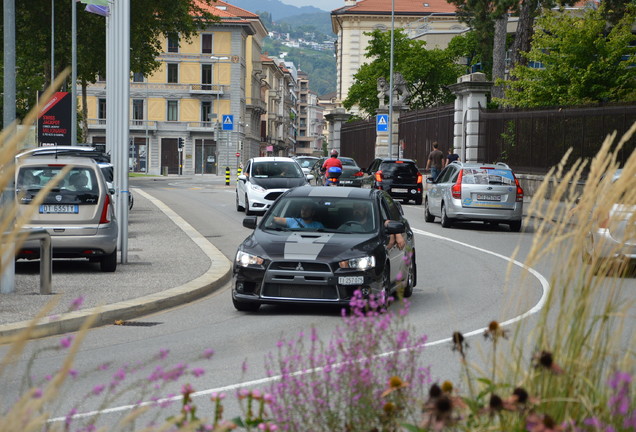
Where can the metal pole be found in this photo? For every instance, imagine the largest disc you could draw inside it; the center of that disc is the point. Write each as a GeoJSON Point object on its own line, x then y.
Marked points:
{"type": "Point", "coordinates": [391, 82]}
{"type": "Point", "coordinates": [52, 40]}
{"type": "Point", "coordinates": [7, 278]}
{"type": "Point", "coordinates": [74, 75]}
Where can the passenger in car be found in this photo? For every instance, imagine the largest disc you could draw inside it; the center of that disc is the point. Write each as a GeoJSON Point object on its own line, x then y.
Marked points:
{"type": "Point", "coordinates": [362, 215]}
{"type": "Point", "coordinates": [78, 182]}
{"type": "Point", "coordinates": [305, 221]}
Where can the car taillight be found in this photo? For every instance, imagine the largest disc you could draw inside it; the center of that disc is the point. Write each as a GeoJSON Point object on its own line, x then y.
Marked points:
{"type": "Point", "coordinates": [104, 218]}
{"type": "Point", "coordinates": [456, 189]}
{"type": "Point", "coordinates": [378, 176]}
{"type": "Point", "coordinates": [519, 191]}
{"type": "Point", "coordinates": [419, 178]}
{"type": "Point", "coordinates": [359, 174]}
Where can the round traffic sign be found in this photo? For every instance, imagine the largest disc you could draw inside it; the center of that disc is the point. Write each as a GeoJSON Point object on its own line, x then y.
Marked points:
{"type": "Point", "coordinates": [238, 154]}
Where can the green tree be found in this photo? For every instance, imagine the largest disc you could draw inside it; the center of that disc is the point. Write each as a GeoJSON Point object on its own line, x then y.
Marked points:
{"type": "Point", "coordinates": [427, 72]}
{"type": "Point", "coordinates": [583, 61]}
{"type": "Point", "coordinates": [150, 19]}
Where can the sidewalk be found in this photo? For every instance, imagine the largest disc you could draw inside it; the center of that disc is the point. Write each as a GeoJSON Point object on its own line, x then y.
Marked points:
{"type": "Point", "coordinates": [169, 263]}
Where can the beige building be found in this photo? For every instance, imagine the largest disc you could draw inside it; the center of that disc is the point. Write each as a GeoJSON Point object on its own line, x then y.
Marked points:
{"type": "Point", "coordinates": [207, 95]}
{"type": "Point", "coordinates": [433, 21]}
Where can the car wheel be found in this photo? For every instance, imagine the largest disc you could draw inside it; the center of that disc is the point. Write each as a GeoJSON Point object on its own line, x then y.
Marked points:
{"type": "Point", "coordinates": [428, 217]}
{"type": "Point", "coordinates": [515, 226]}
{"type": "Point", "coordinates": [131, 201]}
{"type": "Point", "coordinates": [418, 200]}
{"type": "Point", "coordinates": [239, 207]}
{"type": "Point", "coordinates": [109, 262]}
{"type": "Point", "coordinates": [245, 306]}
{"type": "Point", "coordinates": [248, 212]}
{"type": "Point", "coordinates": [411, 277]}
{"type": "Point", "coordinates": [446, 221]}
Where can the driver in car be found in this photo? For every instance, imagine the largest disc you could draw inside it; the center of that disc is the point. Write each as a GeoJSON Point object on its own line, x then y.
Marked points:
{"type": "Point", "coordinates": [305, 221]}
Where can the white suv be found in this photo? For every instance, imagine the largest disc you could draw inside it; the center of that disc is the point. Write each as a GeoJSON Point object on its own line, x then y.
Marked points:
{"type": "Point", "coordinates": [265, 179]}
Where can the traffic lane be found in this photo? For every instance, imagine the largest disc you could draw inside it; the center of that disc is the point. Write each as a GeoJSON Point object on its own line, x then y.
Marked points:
{"type": "Point", "coordinates": [214, 323]}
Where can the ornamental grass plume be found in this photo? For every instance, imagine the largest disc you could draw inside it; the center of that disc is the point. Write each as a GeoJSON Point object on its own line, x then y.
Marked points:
{"type": "Point", "coordinates": [560, 363]}
{"type": "Point", "coordinates": [342, 384]}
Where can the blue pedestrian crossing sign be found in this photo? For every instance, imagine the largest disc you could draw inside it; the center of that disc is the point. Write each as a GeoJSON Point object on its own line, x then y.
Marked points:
{"type": "Point", "coordinates": [228, 122]}
{"type": "Point", "coordinates": [382, 123]}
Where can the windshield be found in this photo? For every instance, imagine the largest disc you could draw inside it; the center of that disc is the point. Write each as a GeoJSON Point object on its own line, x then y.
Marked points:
{"type": "Point", "coordinates": [278, 169]}
{"type": "Point", "coordinates": [488, 176]}
{"type": "Point", "coordinates": [339, 215]}
{"type": "Point", "coordinates": [348, 162]}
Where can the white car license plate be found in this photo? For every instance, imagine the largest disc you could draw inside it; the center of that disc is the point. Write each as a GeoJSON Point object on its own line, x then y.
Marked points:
{"type": "Point", "coordinates": [481, 197]}
{"type": "Point", "coordinates": [59, 208]}
{"type": "Point", "coordinates": [351, 280]}
{"type": "Point", "coordinates": [399, 190]}
{"type": "Point", "coordinates": [346, 181]}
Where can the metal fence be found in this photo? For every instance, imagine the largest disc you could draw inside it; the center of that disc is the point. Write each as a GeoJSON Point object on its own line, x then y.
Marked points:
{"type": "Point", "coordinates": [419, 129]}
{"type": "Point", "coordinates": [530, 141]}
{"type": "Point", "coordinates": [533, 141]}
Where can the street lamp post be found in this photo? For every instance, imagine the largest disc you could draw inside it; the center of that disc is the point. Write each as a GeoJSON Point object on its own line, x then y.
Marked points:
{"type": "Point", "coordinates": [217, 60]}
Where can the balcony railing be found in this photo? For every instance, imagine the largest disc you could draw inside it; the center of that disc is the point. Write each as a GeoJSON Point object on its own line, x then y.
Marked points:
{"type": "Point", "coordinates": [207, 89]}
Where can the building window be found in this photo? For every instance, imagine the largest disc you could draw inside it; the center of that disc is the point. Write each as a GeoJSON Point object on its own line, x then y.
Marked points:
{"type": "Point", "coordinates": [206, 109]}
{"type": "Point", "coordinates": [173, 111]}
{"type": "Point", "coordinates": [173, 72]}
{"type": "Point", "coordinates": [138, 77]}
{"type": "Point", "coordinates": [138, 111]}
{"type": "Point", "coordinates": [173, 43]}
{"type": "Point", "coordinates": [206, 43]}
{"type": "Point", "coordinates": [101, 111]}
{"type": "Point", "coordinates": [206, 77]}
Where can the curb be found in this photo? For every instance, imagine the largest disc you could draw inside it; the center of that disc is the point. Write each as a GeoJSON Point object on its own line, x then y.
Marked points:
{"type": "Point", "coordinates": [215, 277]}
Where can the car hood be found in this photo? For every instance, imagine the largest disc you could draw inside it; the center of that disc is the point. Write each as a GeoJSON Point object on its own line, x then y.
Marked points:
{"type": "Point", "coordinates": [309, 246]}
{"type": "Point", "coordinates": [278, 182]}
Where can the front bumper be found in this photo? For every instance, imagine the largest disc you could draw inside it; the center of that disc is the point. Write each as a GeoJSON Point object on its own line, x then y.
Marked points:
{"type": "Point", "coordinates": [302, 282]}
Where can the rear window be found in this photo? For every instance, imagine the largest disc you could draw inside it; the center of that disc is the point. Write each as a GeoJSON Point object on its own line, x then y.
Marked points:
{"type": "Point", "coordinates": [404, 168]}
{"type": "Point", "coordinates": [488, 176]}
{"type": "Point", "coordinates": [78, 186]}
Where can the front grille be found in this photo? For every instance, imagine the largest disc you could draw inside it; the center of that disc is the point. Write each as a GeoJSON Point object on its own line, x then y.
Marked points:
{"type": "Point", "coordinates": [300, 266]}
{"type": "Point", "coordinates": [273, 195]}
{"type": "Point", "coordinates": [325, 292]}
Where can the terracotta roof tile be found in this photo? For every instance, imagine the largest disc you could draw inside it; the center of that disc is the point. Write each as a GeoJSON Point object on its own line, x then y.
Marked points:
{"type": "Point", "coordinates": [419, 7]}
{"type": "Point", "coordinates": [226, 10]}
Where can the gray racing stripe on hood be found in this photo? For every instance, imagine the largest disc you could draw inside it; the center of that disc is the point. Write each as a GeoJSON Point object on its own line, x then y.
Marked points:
{"type": "Point", "coordinates": [305, 247]}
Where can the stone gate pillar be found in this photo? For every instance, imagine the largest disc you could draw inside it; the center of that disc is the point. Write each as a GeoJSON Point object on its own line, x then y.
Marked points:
{"type": "Point", "coordinates": [470, 92]}
{"type": "Point", "coordinates": [336, 118]}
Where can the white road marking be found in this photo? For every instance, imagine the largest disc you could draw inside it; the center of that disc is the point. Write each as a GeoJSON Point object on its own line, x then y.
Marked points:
{"type": "Point", "coordinates": [536, 308]}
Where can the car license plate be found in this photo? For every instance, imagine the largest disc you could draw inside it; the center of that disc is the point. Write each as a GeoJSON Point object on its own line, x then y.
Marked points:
{"type": "Point", "coordinates": [399, 190]}
{"type": "Point", "coordinates": [346, 181]}
{"type": "Point", "coordinates": [351, 280]}
{"type": "Point", "coordinates": [481, 197]}
{"type": "Point", "coordinates": [58, 208]}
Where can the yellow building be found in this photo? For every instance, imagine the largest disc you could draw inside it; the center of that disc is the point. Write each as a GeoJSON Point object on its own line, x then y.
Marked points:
{"type": "Point", "coordinates": [200, 112]}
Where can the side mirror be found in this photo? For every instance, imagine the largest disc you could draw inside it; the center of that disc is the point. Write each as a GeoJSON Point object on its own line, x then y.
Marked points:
{"type": "Point", "coordinates": [429, 180]}
{"type": "Point", "coordinates": [309, 177]}
{"type": "Point", "coordinates": [111, 191]}
{"type": "Point", "coordinates": [395, 227]}
{"type": "Point", "coordinates": [242, 177]}
{"type": "Point", "coordinates": [249, 222]}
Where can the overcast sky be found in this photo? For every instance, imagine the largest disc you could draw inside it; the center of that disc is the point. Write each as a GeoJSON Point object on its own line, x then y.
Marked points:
{"type": "Point", "coordinates": [327, 5]}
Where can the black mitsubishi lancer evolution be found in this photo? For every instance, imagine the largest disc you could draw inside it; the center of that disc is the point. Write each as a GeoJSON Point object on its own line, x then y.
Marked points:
{"type": "Point", "coordinates": [318, 245]}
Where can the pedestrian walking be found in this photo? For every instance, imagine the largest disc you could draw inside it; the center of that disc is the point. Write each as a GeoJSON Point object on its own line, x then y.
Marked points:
{"type": "Point", "coordinates": [451, 157]}
{"type": "Point", "coordinates": [435, 161]}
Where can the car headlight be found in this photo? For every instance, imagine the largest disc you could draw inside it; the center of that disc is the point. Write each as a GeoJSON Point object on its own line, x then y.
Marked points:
{"type": "Point", "coordinates": [364, 263]}
{"type": "Point", "coordinates": [257, 187]}
{"type": "Point", "coordinates": [245, 260]}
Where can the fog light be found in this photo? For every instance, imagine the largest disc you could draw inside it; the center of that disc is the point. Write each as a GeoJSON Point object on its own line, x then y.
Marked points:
{"type": "Point", "coordinates": [365, 291]}
{"type": "Point", "coordinates": [239, 286]}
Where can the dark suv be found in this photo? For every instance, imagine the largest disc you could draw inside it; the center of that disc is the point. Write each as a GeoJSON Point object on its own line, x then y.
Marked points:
{"type": "Point", "coordinates": [401, 178]}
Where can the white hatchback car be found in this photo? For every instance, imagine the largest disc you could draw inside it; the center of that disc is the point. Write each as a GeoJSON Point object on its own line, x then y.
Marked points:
{"type": "Point", "coordinates": [264, 179]}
